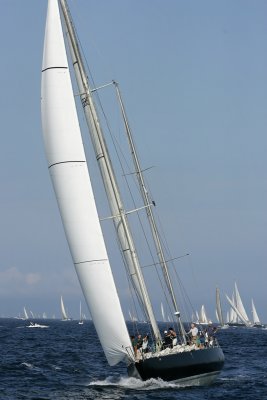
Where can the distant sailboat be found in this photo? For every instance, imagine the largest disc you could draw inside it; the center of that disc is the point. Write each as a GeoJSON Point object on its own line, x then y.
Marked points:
{"type": "Point", "coordinates": [219, 313]}
{"type": "Point", "coordinates": [132, 318]}
{"type": "Point", "coordinates": [26, 315]}
{"type": "Point", "coordinates": [240, 315]}
{"type": "Point", "coordinates": [81, 316]}
{"type": "Point", "coordinates": [162, 313]}
{"type": "Point", "coordinates": [239, 305]}
{"type": "Point", "coordinates": [255, 317]}
{"type": "Point", "coordinates": [233, 320]}
{"type": "Point", "coordinates": [63, 311]}
{"type": "Point", "coordinates": [202, 318]}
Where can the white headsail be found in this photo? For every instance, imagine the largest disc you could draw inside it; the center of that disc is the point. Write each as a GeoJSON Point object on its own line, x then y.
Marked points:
{"type": "Point", "coordinates": [63, 311]}
{"type": "Point", "coordinates": [71, 182]}
{"type": "Point", "coordinates": [255, 317]}
{"type": "Point", "coordinates": [239, 304]}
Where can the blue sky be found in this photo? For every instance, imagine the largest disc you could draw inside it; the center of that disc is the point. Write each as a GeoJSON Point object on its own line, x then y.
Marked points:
{"type": "Point", "coordinates": [194, 79]}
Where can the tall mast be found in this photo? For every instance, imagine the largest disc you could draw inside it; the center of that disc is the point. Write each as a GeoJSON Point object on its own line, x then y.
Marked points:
{"type": "Point", "coordinates": [149, 211]}
{"type": "Point", "coordinates": [108, 177]}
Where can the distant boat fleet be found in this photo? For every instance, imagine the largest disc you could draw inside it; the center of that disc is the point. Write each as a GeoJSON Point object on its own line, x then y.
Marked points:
{"type": "Point", "coordinates": [237, 315]}
{"type": "Point", "coordinates": [29, 316]}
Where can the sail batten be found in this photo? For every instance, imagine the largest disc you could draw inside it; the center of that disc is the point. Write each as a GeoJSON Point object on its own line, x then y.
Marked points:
{"type": "Point", "coordinates": [74, 193]}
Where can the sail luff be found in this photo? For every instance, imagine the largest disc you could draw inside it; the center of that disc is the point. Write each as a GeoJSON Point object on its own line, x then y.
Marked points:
{"type": "Point", "coordinates": [72, 186]}
{"type": "Point", "coordinates": [111, 187]}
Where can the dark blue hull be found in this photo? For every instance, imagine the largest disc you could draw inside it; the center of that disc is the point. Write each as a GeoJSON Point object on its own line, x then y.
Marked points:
{"type": "Point", "coordinates": [201, 366]}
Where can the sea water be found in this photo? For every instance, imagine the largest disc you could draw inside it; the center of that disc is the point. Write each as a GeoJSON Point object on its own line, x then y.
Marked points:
{"type": "Point", "coordinates": [65, 361]}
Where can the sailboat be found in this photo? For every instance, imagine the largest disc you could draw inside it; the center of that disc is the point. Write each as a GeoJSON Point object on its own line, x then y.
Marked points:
{"type": "Point", "coordinates": [239, 315]}
{"type": "Point", "coordinates": [81, 316]}
{"type": "Point", "coordinates": [255, 318]}
{"type": "Point", "coordinates": [219, 313]}
{"type": "Point", "coordinates": [202, 318]}
{"type": "Point", "coordinates": [26, 315]}
{"type": "Point", "coordinates": [69, 173]}
{"type": "Point", "coordinates": [162, 312]}
{"type": "Point", "coordinates": [64, 314]}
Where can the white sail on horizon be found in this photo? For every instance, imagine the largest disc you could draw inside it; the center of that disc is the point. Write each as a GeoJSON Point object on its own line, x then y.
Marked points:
{"type": "Point", "coordinates": [162, 312]}
{"type": "Point", "coordinates": [26, 315]}
{"type": "Point", "coordinates": [239, 304]}
{"type": "Point", "coordinates": [63, 310]}
{"type": "Point", "coordinates": [219, 314]}
{"type": "Point", "coordinates": [255, 317]}
{"type": "Point", "coordinates": [237, 311]}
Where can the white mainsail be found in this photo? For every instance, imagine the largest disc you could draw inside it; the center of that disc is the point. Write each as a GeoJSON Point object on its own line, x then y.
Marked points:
{"type": "Point", "coordinates": [72, 186]}
{"type": "Point", "coordinates": [63, 310]}
{"type": "Point", "coordinates": [255, 317]}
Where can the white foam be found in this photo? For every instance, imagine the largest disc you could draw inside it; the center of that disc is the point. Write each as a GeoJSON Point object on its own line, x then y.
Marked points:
{"type": "Point", "coordinates": [136, 384]}
{"type": "Point", "coordinates": [31, 366]}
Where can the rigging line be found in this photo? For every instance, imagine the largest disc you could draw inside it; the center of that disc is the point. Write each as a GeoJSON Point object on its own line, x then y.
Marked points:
{"type": "Point", "coordinates": [129, 189]}
{"type": "Point", "coordinates": [100, 104]}
{"type": "Point", "coordinates": [116, 151]}
{"type": "Point", "coordinates": [159, 263]}
{"type": "Point", "coordinates": [117, 147]}
{"type": "Point", "coordinates": [128, 276]}
{"type": "Point", "coordinates": [131, 290]}
{"type": "Point", "coordinates": [143, 170]}
{"type": "Point", "coordinates": [156, 268]}
{"type": "Point", "coordinates": [183, 290]}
